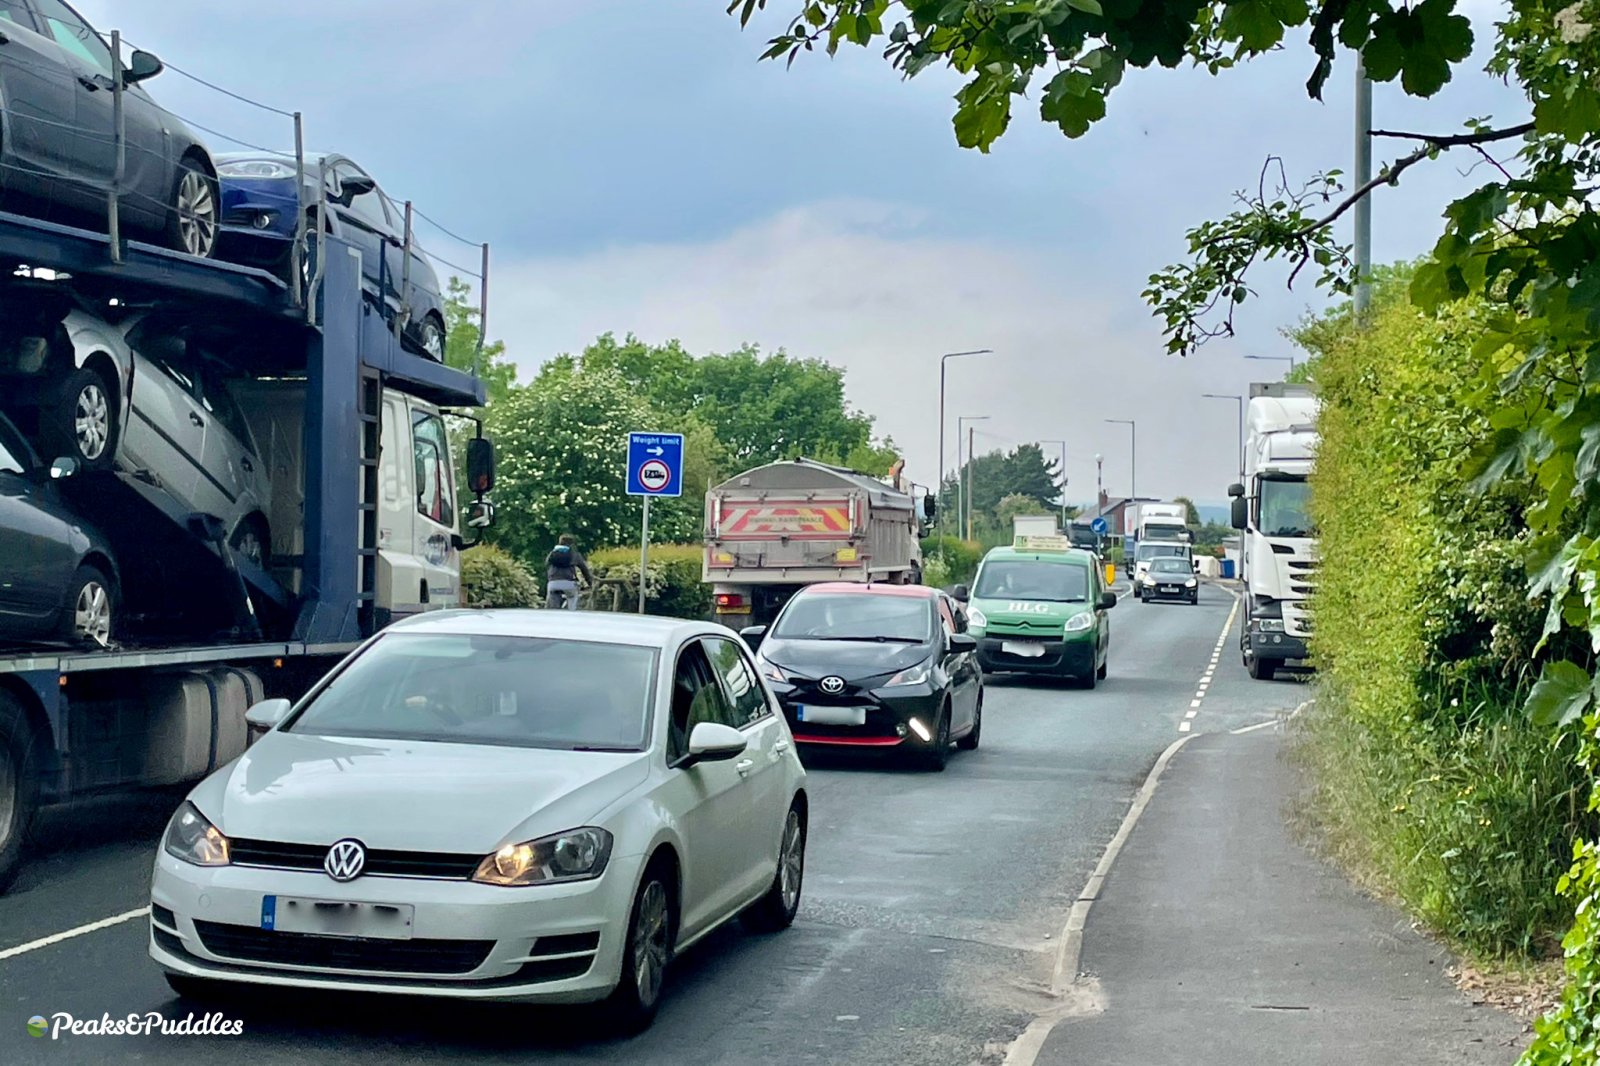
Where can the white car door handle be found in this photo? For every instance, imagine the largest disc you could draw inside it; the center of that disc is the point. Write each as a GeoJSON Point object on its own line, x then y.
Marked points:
{"type": "Point", "coordinates": [781, 746]}
{"type": "Point", "coordinates": [743, 766]}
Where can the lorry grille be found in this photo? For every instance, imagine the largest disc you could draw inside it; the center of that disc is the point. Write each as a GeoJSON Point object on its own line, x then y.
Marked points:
{"type": "Point", "coordinates": [279, 856]}
{"type": "Point", "coordinates": [249, 944]}
{"type": "Point", "coordinates": [1302, 577]}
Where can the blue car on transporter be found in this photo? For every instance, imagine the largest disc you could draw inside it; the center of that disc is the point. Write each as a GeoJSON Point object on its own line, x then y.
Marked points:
{"type": "Point", "coordinates": [260, 209]}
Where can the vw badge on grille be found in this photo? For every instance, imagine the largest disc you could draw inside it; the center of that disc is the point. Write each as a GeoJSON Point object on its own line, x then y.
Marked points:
{"type": "Point", "coordinates": [832, 685]}
{"type": "Point", "coordinates": [345, 860]}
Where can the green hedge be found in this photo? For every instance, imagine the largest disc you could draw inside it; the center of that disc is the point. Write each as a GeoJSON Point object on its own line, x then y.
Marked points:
{"type": "Point", "coordinates": [492, 577]}
{"type": "Point", "coordinates": [949, 561]}
{"type": "Point", "coordinates": [1428, 779]}
{"type": "Point", "coordinates": [672, 583]}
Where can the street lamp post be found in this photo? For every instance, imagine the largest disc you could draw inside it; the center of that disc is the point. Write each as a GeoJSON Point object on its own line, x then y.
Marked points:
{"type": "Point", "coordinates": [1275, 359]}
{"type": "Point", "coordinates": [943, 359]}
{"type": "Point", "coordinates": [1240, 401]}
{"type": "Point", "coordinates": [964, 474]}
{"type": "Point", "coordinates": [1133, 455]}
{"type": "Point", "coordinates": [1063, 480]}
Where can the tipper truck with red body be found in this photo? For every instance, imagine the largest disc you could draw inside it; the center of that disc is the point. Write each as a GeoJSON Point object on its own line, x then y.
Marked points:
{"type": "Point", "coordinates": [777, 528]}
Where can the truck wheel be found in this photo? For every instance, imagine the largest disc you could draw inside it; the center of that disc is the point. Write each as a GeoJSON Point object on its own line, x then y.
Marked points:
{"type": "Point", "coordinates": [1261, 669]}
{"type": "Point", "coordinates": [19, 786]}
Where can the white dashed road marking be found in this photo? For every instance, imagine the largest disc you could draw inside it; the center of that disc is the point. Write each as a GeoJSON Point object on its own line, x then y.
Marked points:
{"type": "Point", "coordinates": [1205, 679]}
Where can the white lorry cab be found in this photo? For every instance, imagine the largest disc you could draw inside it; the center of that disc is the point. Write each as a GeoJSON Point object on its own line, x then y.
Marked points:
{"type": "Point", "coordinates": [1271, 509]}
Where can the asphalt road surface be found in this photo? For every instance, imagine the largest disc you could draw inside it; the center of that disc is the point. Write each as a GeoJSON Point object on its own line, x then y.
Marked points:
{"type": "Point", "coordinates": [933, 908]}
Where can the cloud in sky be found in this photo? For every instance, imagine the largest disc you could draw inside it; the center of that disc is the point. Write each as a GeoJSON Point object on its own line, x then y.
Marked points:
{"type": "Point", "coordinates": [865, 286]}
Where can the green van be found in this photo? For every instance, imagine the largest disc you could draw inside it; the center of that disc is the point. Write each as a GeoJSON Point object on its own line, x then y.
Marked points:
{"type": "Point", "coordinates": [1039, 607]}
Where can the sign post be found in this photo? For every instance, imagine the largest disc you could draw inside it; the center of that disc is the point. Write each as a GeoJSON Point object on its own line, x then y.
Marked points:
{"type": "Point", "coordinates": [655, 468]}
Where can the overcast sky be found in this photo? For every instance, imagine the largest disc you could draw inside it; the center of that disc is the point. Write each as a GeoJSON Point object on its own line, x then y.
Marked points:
{"type": "Point", "coordinates": [635, 169]}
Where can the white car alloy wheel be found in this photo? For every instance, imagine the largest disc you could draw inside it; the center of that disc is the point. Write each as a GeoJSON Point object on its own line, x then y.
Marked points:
{"type": "Point", "coordinates": [91, 614]}
{"type": "Point", "coordinates": [91, 421]}
{"type": "Point", "coordinates": [791, 861]}
{"type": "Point", "coordinates": [652, 934]}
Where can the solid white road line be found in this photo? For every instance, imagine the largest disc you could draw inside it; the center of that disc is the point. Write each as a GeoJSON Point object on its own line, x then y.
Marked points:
{"type": "Point", "coordinates": [1025, 1049]}
{"type": "Point", "coordinates": [56, 938]}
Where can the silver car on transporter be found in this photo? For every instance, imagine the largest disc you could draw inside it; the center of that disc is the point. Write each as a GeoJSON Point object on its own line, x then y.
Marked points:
{"type": "Point", "coordinates": [145, 396]}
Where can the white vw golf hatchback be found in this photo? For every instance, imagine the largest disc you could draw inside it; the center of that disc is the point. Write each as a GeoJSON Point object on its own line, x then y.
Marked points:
{"type": "Point", "coordinates": [498, 805]}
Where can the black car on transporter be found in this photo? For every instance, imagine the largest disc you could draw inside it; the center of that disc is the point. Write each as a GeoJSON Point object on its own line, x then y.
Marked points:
{"type": "Point", "coordinates": [884, 667]}
{"type": "Point", "coordinates": [57, 578]}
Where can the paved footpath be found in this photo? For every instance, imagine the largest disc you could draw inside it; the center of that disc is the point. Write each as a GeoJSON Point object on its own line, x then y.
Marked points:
{"type": "Point", "coordinates": [1217, 940]}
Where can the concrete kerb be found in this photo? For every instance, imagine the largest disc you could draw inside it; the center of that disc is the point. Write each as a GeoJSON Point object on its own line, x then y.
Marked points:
{"type": "Point", "coordinates": [1079, 996]}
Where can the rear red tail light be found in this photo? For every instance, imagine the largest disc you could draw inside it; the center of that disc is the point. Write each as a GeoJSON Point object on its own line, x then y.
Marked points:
{"type": "Point", "coordinates": [726, 600]}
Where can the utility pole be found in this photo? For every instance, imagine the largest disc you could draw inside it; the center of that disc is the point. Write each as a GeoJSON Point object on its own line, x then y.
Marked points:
{"type": "Point", "coordinates": [970, 433]}
{"type": "Point", "coordinates": [1363, 207]}
{"type": "Point", "coordinates": [943, 359]}
{"type": "Point", "coordinates": [964, 474]}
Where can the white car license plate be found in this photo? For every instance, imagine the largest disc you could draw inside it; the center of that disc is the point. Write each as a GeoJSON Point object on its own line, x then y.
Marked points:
{"type": "Point", "coordinates": [1026, 649]}
{"type": "Point", "coordinates": [1169, 588]}
{"type": "Point", "coordinates": [383, 921]}
{"type": "Point", "coordinates": [831, 715]}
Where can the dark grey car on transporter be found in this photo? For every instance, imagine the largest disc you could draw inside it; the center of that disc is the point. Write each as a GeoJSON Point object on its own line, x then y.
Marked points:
{"type": "Point", "coordinates": [58, 150]}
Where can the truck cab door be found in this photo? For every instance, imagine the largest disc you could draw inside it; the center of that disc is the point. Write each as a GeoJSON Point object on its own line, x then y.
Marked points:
{"type": "Point", "coordinates": [418, 565]}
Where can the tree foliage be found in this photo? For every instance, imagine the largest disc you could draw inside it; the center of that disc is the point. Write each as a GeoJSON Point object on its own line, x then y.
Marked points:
{"type": "Point", "coordinates": [761, 407]}
{"type": "Point", "coordinates": [462, 330]}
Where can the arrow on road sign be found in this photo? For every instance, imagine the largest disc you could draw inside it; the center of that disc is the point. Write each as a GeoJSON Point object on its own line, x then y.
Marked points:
{"type": "Point", "coordinates": [658, 450]}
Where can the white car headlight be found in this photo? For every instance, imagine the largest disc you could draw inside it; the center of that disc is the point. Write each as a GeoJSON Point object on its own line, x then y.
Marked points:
{"type": "Point", "coordinates": [1149, 578]}
{"type": "Point", "coordinates": [577, 855]}
{"type": "Point", "coordinates": [771, 670]}
{"type": "Point", "coordinates": [1191, 583]}
{"type": "Point", "coordinates": [976, 619]}
{"type": "Point", "coordinates": [1079, 622]}
{"type": "Point", "coordinates": [194, 840]}
{"type": "Point", "coordinates": [255, 168]}
{"type": "Point", "coordinates": [914, 675]}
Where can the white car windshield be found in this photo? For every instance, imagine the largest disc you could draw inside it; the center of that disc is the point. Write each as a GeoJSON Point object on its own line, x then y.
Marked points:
{"type": "Point", "coordinates": [1171, 565]}
{"type": "Point", "coordinates": [505, 690]}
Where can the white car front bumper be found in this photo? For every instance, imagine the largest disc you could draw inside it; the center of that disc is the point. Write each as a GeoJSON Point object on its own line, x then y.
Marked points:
{"type": "Point", "coordinates": [468, 940]}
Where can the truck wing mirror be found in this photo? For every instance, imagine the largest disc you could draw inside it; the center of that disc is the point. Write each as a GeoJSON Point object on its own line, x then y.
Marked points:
{"type": "Point", "coordinates": [930, 506]}
{"type": "Point", "coordinates": [1240, 512]}
{"type": "Point", "coordinates": [1235, 490]}
{"type": "Point", "coordinates": [480, 465]}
